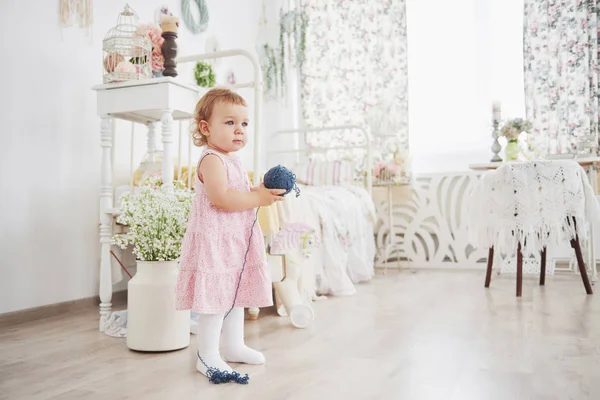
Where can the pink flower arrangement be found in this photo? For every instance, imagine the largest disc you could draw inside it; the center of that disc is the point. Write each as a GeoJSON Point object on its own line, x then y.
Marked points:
{"type": "Point", "coordinates": [378, 168]}
{"type": "Point", "coordinates": [382, 167]}
{"type": "Point", "coordinates": [391, 171]}
{"type": "Point", "coordinates": [154, 33]}
{"type": "Point", "coordinates": [158, 61]}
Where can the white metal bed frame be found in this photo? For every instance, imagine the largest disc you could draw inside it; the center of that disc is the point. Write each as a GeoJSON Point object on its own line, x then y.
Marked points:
{"type": "Point", "coordinates": [108, 213]}
{"type": "Point", "coordinates": [329, 129]}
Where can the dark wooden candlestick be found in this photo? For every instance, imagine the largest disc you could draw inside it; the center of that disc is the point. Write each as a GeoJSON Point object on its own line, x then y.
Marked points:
{"type": "Point", "coordinates": [169, 52]}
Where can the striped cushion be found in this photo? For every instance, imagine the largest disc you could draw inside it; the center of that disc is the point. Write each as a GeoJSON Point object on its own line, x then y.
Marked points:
{"type": "Point", "coordinates": [316, 173]}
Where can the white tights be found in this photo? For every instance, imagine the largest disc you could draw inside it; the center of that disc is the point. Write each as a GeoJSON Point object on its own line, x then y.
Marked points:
{"type": "Point", "coordinates": [234, 350]}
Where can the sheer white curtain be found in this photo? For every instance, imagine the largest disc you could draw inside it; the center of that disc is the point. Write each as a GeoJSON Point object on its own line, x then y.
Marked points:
{"type": "Point", "coordinates": [462, 55]}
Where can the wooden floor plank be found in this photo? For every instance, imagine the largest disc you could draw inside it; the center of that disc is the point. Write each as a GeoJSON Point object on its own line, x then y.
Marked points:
{"type": "Point", "coordinates": [425, 335]}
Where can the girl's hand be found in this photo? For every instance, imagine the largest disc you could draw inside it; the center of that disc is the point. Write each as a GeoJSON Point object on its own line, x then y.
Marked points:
{"type": "Point", "coordinates": [214, 176]}
{"type": "Point", "coordinates": [268, 196]}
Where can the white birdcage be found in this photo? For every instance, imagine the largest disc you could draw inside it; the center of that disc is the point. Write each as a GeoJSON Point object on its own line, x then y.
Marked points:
{"type": "Point", "coordinates": [127, 50]}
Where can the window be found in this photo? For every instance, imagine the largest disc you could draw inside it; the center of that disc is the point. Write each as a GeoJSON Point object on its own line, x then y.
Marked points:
{"type": "Point", "coordinates": [462, 56]}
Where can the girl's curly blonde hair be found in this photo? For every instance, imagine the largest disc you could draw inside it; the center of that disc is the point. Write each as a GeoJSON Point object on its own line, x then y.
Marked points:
{"type": "Point", "coordinates": [205, 107]}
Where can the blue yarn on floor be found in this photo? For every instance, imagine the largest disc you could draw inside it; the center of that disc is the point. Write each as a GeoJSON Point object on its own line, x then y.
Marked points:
{"type": "Point", "coordinates": [217, 376]}
{"type": "Point", "coordinates": [277, 177]}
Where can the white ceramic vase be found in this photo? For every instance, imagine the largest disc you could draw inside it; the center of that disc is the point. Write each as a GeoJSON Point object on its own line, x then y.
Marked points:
{"type": "Point", "coordinates": [153, 323]}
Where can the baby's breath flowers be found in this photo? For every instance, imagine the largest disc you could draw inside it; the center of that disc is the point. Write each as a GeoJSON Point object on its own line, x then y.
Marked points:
{"type": "Point", "coordinates": [156, 220]}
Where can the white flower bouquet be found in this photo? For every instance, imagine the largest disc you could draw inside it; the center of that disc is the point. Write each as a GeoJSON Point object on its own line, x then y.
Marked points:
{"type": "Point", "coordinates": [156, 220]}
{"type": "Point", "coordinates": [513, 128]}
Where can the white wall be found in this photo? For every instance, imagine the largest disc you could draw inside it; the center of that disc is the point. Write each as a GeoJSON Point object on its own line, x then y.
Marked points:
{"type": "Point", "coordinates": [50, 158]}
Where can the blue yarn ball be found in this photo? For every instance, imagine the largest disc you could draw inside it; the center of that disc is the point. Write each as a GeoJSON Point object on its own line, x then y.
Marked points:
{"type": "Point", "coordinates": [279, 177]}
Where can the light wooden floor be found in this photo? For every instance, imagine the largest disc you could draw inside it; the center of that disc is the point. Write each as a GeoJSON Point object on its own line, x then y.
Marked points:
{"type": "Point", "coordinates": [428, 335]}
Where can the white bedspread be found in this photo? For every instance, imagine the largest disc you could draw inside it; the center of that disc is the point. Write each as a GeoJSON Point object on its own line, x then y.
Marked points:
{"type": "Point", "coordinates": [344, 217]}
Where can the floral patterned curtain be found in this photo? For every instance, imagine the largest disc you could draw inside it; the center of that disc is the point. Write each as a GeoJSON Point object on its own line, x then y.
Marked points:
{"type": "Point", "coordinates": [560, 54]}
{"type": "Point", "coordinates": [355, 69]}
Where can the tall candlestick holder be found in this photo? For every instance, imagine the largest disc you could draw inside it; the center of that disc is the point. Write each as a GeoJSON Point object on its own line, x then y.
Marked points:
{"type": "Point", "coordinates": [169, 52]}
{"type": "Point", "coordinates": [169, 26]}
{"type": "Point", "coordinates": [496, 145]}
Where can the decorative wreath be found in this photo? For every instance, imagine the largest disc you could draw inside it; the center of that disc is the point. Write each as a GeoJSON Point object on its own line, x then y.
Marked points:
{"type": "Point", "coordinates": [188, 18]}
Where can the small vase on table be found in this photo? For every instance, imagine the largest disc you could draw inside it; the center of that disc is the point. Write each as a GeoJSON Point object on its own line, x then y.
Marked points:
{"type": "Point", "coordinates": [511, 130]}
{"type": "Point", "coordinates": [511, 152]}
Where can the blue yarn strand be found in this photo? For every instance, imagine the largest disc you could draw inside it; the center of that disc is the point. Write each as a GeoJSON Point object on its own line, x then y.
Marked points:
{"type": "Point", "coordinates": [215, 375]}
{"type": "Point", "coordinates": [243, 265]}
{"type": "Point", "coordinates": [277, 177]}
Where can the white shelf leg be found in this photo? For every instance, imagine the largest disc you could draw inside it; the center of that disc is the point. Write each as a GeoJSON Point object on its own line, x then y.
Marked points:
{"type": "Point", "coordinates": [151, 137]}
{"type": "Point", "coordinates": [167, 140]}
{"type": "Point", "coordinates": [106, 221]}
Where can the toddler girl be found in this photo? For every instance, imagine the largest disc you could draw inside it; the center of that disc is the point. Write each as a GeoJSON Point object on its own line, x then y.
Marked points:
{"type": "Point", "coordinates": [222, 236]}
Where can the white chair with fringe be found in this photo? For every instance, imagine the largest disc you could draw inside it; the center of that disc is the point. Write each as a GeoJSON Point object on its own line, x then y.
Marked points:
{"type": "Point", "coordinates": [528, 206]}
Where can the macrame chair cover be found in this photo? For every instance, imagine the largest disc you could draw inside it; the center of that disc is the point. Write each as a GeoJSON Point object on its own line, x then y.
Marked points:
{"type": "Point", "coordinates": [535, 203]}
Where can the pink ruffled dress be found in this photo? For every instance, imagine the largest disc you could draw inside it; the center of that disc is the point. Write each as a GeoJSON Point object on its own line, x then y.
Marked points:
{"type": "Point", "coordinates": [213, 250]}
